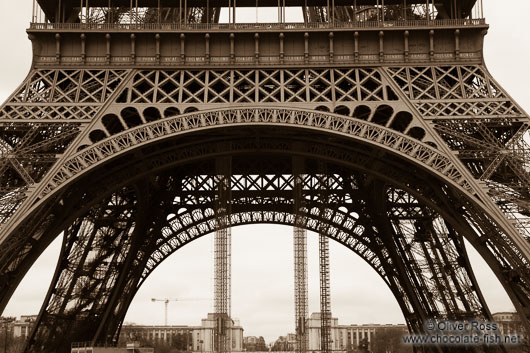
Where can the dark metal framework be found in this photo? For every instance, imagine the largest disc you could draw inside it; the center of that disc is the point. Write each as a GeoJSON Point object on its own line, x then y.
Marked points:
{"type": "Point", "coordinates": [117, 143]}
{"type": "Point", "coordinates": [222, 258]}
{"type": "Point", "coordinates": [323, 257]}
{"type": "Point", "coordinates": [300, 260]}
{"type": "Point", "coordinates": [186, 12]}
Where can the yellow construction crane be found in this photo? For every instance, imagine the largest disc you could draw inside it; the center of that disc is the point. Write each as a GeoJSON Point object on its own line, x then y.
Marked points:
{"type": "Point", "coordinates": [166, 302]}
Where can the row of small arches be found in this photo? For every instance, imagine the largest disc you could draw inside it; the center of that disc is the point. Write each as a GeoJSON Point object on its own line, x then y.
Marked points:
{"type": "Point", "coordinates": [383, 115]}
{"type": "Point", "coordinates": [130, 117]}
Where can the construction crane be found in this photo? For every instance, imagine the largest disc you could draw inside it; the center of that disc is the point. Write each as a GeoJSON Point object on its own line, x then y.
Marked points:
{"type": "Point", "coordinates": [166, 303]}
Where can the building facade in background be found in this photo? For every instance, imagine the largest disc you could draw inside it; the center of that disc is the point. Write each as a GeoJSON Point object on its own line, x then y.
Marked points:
{"type": "Point", "coordinates": [186, 338]}
{"type": "Point", "coordinates": [348, 337]}
{"type": "Point", "coordinates": [284, 343]}
{"type": "Point", "coordinates": [510, 324]}
{"type": "Point", "coordinates": [254, 344]}
{"type": "Point", "coordinates": [22, 328]}
{"type": "Point", "coordinates": [344, 338]}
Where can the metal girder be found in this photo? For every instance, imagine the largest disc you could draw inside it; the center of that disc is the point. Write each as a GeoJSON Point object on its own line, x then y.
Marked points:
{"type": "Point", "coordinates": [323, 256]}
{"type": "Point", "coordinates": [222, 257]}
{"type": "Point", "coordinates": [477, 119]}
{"type": "Point", "coordinates": [94, 250]}
{"type": "Point", "coordinates": [301, 297]}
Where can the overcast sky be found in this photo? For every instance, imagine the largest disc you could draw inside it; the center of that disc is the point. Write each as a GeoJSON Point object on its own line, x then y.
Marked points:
{"type": "Point", "coordinates": [262, 263]}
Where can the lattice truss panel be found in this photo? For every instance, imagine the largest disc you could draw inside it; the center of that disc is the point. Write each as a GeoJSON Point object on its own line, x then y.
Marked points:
{"type": "Point", "coordinates": [157, 94]}
{"type": "Point", "coordinates": [66, 95]}
{"type": "Point", "coordinates": [426, 241]}
{"type": "Point", "coordinates": [40, 120]}
{"type": "Point", "coordinates": [257, 86]}
{"type": "Point", "coordinates": [276, 183]}
{"type": "Point", "coordinates": [96, 247]}
{"type": "Point", "coordinates": [479, 121]}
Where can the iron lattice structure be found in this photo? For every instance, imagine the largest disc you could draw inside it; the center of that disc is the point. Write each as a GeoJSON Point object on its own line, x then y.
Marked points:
{"type": "Point", "coordinates": [222, 259]}
{"type": "Point", "coordinates": [300, 261]}
{"type": "Point", "coordinates": [300, 288]}
{"type": "Point", "coordinates": [324, 271]}
{"type": "Point", "coordinates": [114, 140]}
{"type": "Point", "coordinates": [325, 295]}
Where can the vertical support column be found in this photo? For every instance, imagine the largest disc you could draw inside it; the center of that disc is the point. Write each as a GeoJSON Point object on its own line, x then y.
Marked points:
{"type": "Point", "coordinates": [381, 46]}
{"type": "Point", "coordinates": [83, 48]}
{"type": "Point", "coordinates": [207, 48]}
{"type": "Point", "coordinates": [300, 261]}
{"type": "Point", "coordinates": [232, 48]}
{"type": "Point", "coordinates": [107, 38]}
{"type": "Point", "coordinates": [133, 48]}
{"type": "Point", "coordinates": [406, 39]}
{"type": "Point", "coordinates": [57, 48]}
{"type": "Point", "coordinates": [222, 257]}
{"type": "Point", "coordinates": [331, 50]}
{"type": "Point", "coordinates": [157, 43]}
{"type": "Point", "coordinates": [323, 252]}
{"type": "Point", "coordinates": [182, 48]}
{"type": "Point", "coordinates": [256, 47]}
{"type": "Point", "coordinates": [356, 47]}
{"type": "Point", "coordinates": [457, 44]}
{"type": "Point", "coordinates": [282, 53]}
{"type": "Point", "coordinates": [306, 47]}
{"type": "Point", "coordinates": [431, 45]}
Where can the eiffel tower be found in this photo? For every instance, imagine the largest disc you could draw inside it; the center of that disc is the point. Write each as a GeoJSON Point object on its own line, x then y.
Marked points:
{"type": "Point", "coordinates": [114, 139]}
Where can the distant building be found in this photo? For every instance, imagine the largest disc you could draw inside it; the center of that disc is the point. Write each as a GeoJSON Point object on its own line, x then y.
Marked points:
{"type": "Point", "coordinates": [509, 324]}
{"type": "Point", "coordinates": [254, 344]}
{"type": "Point", "coordinates": [186, 338]}
{"type": "Point", "coordinates": [344, 338]}
{"type": "Point", "coordinates": [22, 328]}
{"type": "Point", "coordinates": [10, 323]}
{"type": "Point", "coordinates": [204, 335]}
{"type": "Point", "coordinates": [285, 343]}
{"type": "Point", "coordinates": [313, 331]}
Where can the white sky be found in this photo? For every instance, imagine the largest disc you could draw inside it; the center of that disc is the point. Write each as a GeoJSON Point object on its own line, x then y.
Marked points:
{"type": "Point", "coordinates": [262, 265]}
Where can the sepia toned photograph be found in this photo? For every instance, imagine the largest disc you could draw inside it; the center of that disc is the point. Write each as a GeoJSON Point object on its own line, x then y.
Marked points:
{"type": "Point", "coordinates": [230, 176]}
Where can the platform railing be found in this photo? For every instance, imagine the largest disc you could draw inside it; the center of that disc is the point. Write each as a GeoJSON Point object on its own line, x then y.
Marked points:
{"type": "Point", "coordinates": [254, 26]}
